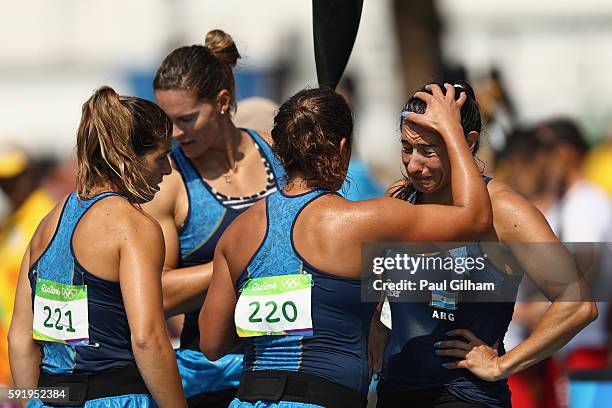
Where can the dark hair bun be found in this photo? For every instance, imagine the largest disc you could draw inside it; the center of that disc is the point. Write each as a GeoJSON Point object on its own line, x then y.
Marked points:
{"type": "Point", "coordinates": [222, 46]}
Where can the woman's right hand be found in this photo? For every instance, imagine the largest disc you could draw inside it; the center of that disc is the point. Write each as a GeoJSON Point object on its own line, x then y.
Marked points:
{"type": "Point", "coordinates": [443, 112]}
{"type": "Point", "coordinates": [377, 340]}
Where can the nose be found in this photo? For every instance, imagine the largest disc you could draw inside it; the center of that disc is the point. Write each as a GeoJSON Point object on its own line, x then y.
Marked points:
{"type": "Point", "coordinates": [415, 165]}
{"type": "Point", "coordinates": [166, 168]}
{"type": "Point", "coordinates": [177, 131]}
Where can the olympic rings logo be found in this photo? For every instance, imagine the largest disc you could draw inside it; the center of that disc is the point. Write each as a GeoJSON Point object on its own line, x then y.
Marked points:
{"type": "Point", "coordinates": [290, 283]}
{"type": "Point", "coordinates": [69, 293]}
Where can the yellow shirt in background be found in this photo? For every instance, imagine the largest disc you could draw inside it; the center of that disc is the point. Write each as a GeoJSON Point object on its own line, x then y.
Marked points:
{"type": "Point", "coordinates": [14, 239]}
{"type": "Point", "coordinates": [598, 166]}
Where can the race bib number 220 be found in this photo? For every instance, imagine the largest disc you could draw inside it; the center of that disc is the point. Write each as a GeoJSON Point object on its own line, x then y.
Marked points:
{"type": "Point", "coordinates": [275, 305]}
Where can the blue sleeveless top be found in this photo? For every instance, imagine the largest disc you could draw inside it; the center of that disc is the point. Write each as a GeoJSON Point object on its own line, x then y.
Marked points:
{"type": "Point", "coordinates": [207, 219]}
{"type": "Point", "coordinates": [410, 361]}
{"type": "Point", "coordinates": [109, 333]}
{"type": "Point", "coordinates": [337, 350]}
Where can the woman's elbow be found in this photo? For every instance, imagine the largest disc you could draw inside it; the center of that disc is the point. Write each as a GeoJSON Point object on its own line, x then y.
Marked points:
{"type": "Point", "coordinates": [148, 340]}
{"type": "Point", "coordinates": [583, 314]}
{"type": "Point", "coordinates": [210, 350]}
{"type": "Point", "coordinates": [588, 313]}
{"type": "Point", "coordinates": [475, 226]}
{"type": "Point", "coordinates": [14, 339]}
{"type": "Point", "coordinates": [483, 221]}
{"type": "Point", "coordinates": [19, 337]}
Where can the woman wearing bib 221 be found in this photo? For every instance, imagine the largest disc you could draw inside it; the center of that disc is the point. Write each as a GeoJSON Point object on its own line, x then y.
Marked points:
{"type": "Point", "coordinates": [287, 271]}
{"type": "Point", "coordinates": [89, 291]}
{"type": "Point", "coordinates": [218, 172]}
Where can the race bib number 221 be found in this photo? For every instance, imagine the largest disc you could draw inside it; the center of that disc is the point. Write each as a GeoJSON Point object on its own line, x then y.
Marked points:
{"type": "Point", "coordinates": [60, 313]}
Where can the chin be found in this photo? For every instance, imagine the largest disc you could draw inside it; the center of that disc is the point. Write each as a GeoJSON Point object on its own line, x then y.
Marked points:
{"type": "Point", "coordinates": [191, 151]}
{"type": "Point", "coordinates": [428, 189]}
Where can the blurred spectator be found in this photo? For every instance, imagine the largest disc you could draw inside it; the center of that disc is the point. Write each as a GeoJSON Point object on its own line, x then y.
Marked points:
{"type": "Point", "coordinates": [497, 108]}
{"type": "Point", "coordinates": [544, 164]}
{"type": "Point", "coordinates": [498, 115]}
{"type": "Point", "coordinates": [32, 189]}
{"type": "Point", "coordinates": [581, 213]}
{"type": "Point", "coordinates": [523, 166]}
{"type": "Point", "coordinates": [256, 113]}
{"type": "Point", "coordinates": [598, 165]}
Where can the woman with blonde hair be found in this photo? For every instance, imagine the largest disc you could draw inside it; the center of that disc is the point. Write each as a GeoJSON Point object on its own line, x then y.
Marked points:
{"type": "Point", "coordinates": [88, 309]}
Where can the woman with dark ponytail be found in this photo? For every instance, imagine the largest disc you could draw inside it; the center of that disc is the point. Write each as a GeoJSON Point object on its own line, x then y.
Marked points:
{"type": "Point", "coordinates": [287, 272]}
{"type": "Point", "coordinates": [218, 171]}
{"type": "Point", "coordinates": [88, 309]}
{"type": "Point", "coordinates": [432, 345]}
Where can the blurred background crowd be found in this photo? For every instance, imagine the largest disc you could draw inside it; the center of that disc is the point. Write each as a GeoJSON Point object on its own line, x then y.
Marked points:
{"type": "Point", "coordinates": [539, 70]}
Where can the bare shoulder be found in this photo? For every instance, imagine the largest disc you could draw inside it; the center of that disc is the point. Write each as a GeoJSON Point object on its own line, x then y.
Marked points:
{"type": "Point", "coordinates": [248, 222]}
{"type": "Point", "coordinates": [514, 217]}
{"type": "Point", "coordinates": [242, 238]}
{"type": "Point", "coordinates": [504, 200]}
{"type": "Point", "coordinates": [332, 213]}
{"type": "Point", "coordinates": [124, 220]}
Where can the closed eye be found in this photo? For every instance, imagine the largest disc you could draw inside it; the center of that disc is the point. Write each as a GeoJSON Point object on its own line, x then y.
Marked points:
{"type": "Point", "coordinates": [186, 119]}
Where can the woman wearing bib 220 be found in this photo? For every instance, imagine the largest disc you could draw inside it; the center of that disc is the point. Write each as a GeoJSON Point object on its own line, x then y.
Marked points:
{"type": "Point", "coordinates": [287, 271]}
{"type": "Point", "coordinates": [91, 273]}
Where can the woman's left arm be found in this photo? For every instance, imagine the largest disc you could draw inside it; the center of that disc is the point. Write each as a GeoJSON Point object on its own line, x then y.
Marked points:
{"type": "Point", "coordinates": [217, 314]}
{"type": "Point", "coordinates": [24, 353]}
{"type": "Point", "coordinates": [552, 268]}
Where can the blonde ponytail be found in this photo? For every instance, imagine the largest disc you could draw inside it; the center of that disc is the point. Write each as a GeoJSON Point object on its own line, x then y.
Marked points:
{"type": "Point", "coordinates": [114, 133]}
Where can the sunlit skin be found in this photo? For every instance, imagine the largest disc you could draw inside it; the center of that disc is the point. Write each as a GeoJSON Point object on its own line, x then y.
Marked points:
{"type": "Point", "coordinates": [157, 165]}
{"type": "Point", "coordinates": [425, 161]}
{"type": "Point", "coordinates": [196, 124]}
{"type": "Point", "coordinates": [427, 164]}
{"type": "Point", "coordinates": [208, 137]}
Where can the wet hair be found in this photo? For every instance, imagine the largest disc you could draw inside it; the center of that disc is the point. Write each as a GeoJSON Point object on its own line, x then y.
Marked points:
{"type": "Point", "coordinates": [114, 134]}
{"type": "Point", "coordinates": [471, 121]}
{"type": "Point", "coordinates": [307, 132]}
{"type": "Point", "coordinates": [562, 130]}
{"type": "Point", "coordinates": [202, 69]}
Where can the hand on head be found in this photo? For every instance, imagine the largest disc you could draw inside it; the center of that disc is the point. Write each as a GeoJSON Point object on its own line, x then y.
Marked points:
{"type": "Point", "coordinates": [443, 110]}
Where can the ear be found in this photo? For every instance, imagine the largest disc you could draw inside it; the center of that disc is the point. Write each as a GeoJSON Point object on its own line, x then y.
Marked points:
{"type": "Point", "coordinates": [224, 101]}
{"type": "Point", "coordinates": [345, 149]}
{"type": "Point", "coordinates": [472, 139]}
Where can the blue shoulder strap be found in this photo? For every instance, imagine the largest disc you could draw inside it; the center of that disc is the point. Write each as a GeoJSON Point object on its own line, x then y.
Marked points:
{"type": "Point", "coordinates": [277, 167]}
